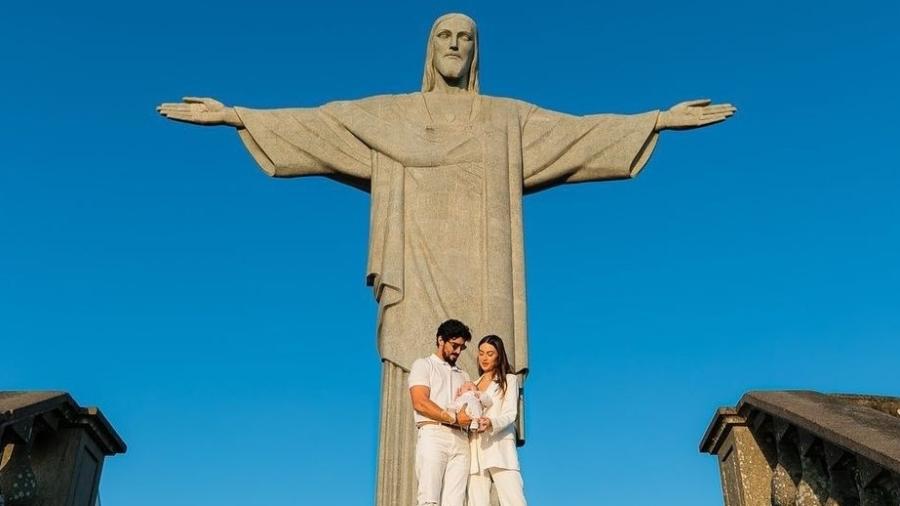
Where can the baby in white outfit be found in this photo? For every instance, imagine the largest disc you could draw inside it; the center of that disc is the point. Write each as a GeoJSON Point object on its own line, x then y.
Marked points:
{"type": "Point", "coordinates": [474, 402]}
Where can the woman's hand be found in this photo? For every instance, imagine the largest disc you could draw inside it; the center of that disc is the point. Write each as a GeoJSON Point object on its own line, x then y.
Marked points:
{"type": "Point", "coordinates": [484, 424]}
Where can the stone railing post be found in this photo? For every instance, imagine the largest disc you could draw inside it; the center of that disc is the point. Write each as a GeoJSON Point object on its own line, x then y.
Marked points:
{"type": "Point", "coordinates": [744, 470]}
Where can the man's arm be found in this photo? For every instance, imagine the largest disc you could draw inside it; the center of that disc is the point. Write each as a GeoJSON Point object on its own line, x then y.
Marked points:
{"type": "Point", "coordinates": [428, 408]}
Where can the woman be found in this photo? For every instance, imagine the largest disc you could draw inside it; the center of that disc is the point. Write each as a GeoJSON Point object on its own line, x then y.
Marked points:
{"type": "Point", "coordinates": [493, 455]}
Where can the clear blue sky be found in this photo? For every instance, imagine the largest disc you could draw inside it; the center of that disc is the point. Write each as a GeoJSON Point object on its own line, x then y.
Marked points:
{"type": "Point", "coordinates": [219, 317]}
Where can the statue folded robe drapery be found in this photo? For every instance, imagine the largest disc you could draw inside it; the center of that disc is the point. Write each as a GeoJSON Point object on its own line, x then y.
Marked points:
{"type": "Point", "coordinates": [446, 215]}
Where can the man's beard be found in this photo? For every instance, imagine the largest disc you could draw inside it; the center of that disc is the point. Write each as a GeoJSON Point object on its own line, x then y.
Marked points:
{"type": "Point", "coordinates": [451, 359]}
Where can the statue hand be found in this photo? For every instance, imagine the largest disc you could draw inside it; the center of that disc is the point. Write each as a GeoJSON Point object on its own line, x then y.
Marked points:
{"type": "Point", "coordinates": [200, 111]}
{"type": "Point", "coordinates": [694, 114]}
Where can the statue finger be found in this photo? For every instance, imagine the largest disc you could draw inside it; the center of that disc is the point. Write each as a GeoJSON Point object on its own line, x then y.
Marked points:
{"type": "Point", "coordinates": [206, 103]}
{"type": "Point", "coordinates": [171, 114]}
{"type": "Point", "coordinates": [726, 112]}
{"type": "Point", "coordinates": [168, 105]}
{"type": "Point", "coordinates": [712, 120]}
{"type": "Point", "coordinates": [178, 116]}
{"type": "Point", "coordinates": [718, 107]}
{"type": "Point", "coordinates": [725, 115]}
{"type": "Point", "coordinates": [696, 103]}
{"type": "Point", "coordinates": [719, 110]}
{"type": "Point", "coordinates": [171, 110]}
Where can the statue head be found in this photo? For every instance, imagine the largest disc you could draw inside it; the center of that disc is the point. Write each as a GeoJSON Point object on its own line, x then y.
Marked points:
{"type": "Point", "coordinates": [452, 53]}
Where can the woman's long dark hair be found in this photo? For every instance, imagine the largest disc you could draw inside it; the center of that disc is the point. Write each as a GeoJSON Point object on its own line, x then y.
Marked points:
{"type": "Point", "coordinates": [502, 368]}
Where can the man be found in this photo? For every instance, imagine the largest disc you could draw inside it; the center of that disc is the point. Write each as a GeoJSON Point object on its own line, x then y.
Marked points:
{"type": "Point", "coordinates": [447, 169]}
{"type": "Point", "coordinates": [442, 445]}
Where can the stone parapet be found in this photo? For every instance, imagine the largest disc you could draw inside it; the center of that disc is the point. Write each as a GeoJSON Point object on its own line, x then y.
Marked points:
{"type": "Point", "coordinates": [52, 450]}
{"type": "Point", "coordinates": [807, 449]}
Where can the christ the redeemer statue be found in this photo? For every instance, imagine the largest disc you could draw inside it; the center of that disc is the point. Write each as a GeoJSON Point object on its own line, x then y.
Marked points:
{"type": "Point", "coordinates": [446, 169]}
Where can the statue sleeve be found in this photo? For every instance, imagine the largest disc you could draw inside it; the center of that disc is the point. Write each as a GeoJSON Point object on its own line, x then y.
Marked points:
{"type": "Point", "coordinates": [560, 148]}
{"type": "Point", "coordinates": [305, 142]}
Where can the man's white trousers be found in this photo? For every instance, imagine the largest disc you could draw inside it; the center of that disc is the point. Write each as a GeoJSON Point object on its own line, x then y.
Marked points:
{"type": "Point", "coordinates": [442, 465]}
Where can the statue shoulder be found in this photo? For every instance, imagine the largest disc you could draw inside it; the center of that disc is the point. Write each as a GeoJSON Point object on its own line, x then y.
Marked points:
{"type": "Point", "coordinates": [510, 103]}
{"type": "Point", "coordinates": [375, 104]}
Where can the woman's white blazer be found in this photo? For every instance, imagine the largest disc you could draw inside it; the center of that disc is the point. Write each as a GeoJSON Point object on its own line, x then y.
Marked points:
{"type": "Point", "coordinates": [497, 447]}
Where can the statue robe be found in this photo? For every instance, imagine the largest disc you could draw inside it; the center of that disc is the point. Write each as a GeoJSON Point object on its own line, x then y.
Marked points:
{"type": "Point", "coordinates": [446, 215]}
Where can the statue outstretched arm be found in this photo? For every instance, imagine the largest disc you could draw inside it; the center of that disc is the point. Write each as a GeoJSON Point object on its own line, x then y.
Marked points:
{"type": "Point", "coordinates": [200, 111]}
{"type": "Point", "coordinates": [694, 114]}
{"type": "Point", "coordinates": [560, 148]}
{"type": "Point", "coordinates": [286, 142]}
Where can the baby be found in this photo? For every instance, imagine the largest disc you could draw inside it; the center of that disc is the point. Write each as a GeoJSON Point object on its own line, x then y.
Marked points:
{"type": "Point", "coordinates": [473, 401]}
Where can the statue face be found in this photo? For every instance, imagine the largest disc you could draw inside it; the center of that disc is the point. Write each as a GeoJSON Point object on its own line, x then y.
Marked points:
{"type": "Point", "coordinates": [453, 47]}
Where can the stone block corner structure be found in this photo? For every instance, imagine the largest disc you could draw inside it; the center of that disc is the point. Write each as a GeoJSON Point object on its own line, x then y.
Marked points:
{"type": "Point", "coordinates": [52, 450]}
{"type": "Point", "coordinates": [804, 448]}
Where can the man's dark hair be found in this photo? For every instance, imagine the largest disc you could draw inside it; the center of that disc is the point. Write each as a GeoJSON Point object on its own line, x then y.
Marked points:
{"type": "Point", "coordinates": [451, 329]}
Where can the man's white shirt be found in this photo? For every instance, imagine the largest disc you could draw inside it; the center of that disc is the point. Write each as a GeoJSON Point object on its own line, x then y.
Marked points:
{"type": "Point", "coordinates": [442, 378]}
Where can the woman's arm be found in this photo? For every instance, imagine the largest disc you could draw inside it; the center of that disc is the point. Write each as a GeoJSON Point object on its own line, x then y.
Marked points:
{"type": "Point", "coordinates": [509, 409]}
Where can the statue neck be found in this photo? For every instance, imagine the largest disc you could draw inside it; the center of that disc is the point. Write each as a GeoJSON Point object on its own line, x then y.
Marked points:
{"type": "Point", "coordinates": [444, 85]}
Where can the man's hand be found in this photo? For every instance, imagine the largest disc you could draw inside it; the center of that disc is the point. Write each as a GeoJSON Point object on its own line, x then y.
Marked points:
{"type": "Point", "coordinates": [694, 114]}
{"type": "Point", "coordinates": [462, 418]}
{"type": "Point", "coordinates": [200, 111]}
